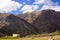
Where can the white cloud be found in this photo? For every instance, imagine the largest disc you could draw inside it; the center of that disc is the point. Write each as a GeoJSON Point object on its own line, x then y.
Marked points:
{"type": "Point", "coordinates": [56, 8]}
{"type": "Point", "coordinates": [39, 1]}
{"type": "Point", "coordinates": [1, 11]}
{"type": "Point", "coordinates": [29, 8]}
{"type": "Point", "coordinates": [8, 5]}
{"type": "Point", "coordinates": [35, 7]}
{"type": "Point", "coordinates": [48, 4]}
{"type": "Point", "coordinates": [51, 5]}
{"type": "Point", "coordinates": [26, 7]}
{"type": "Point", "coordinates": [27, 11]}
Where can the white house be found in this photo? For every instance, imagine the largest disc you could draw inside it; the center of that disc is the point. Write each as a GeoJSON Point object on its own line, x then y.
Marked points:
{"type": "Point", "coordinates": [16, 35]}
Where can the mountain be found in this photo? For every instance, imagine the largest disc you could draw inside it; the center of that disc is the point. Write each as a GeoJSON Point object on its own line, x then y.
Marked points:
{"type": "Point", "coordinates": [48, 21]}
{"type": "Point", "coordinates": [45, 21]}
{"type": "Point", "coordinates": [29, 16]}
{"type": "Point", "coordinates": [10, 24]}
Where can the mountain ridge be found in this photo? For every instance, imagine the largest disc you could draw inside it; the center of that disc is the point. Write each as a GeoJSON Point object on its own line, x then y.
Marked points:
{"type": "Point", "coordinates": [45, 21]}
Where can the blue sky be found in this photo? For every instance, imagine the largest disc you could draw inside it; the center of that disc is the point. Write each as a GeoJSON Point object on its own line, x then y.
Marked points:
{"type": "Point", "coordinates": [56, 1]}
{"type": "Point", "coordinates": [23, 6]}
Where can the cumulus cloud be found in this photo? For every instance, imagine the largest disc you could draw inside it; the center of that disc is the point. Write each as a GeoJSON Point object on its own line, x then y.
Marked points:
{"type": "Point", "coordinates": [27, 11]}
{"type": "Point", "coordinates": [29, 8]}
{"type": "Point", "coordinates": [48, 4]}
{"type": "Point", "coordinates": [56, 8]}
{"type": "Point", "coordinates": [8, 5]}
{"type": "Point", "coordinates": [2, 11]}
{"type": "Point", "coordinates": [35, 7]}
{"type": "Point", "coordinates": [26, 7]}
{"type": "Point", "coordinates": [39, 1]}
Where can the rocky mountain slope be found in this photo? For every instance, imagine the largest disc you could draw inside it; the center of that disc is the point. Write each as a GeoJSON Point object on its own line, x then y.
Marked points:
{"type": "Point", "coordinates": [10, 24]}
{"type": "Point", "coordinates": [44, 21]}
{"type": "Point", "coordinates": [47, 21]}
{"type": "Point", "coordinates": [29, 16]}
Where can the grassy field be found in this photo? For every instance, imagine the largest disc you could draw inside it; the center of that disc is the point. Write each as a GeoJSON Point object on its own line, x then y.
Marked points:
{"type": "Point", "coordinates": [38, 38]}
{"type": "Point", "coordinates": [30, 38]}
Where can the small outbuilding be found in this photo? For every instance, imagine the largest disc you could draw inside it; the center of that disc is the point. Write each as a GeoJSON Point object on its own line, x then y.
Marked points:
{"type": "Point", "coordinates": [16, 35]}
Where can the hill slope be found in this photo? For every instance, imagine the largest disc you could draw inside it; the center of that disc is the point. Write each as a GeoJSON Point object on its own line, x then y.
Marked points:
{"type": "Point", "coordinates": [12, 24]}
{"type": "Point", "coordinates": [47, 21]}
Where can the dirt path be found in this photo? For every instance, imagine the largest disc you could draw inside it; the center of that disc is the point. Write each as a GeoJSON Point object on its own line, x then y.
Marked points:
{"type": "Point", "coordinates": [58, 36]}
